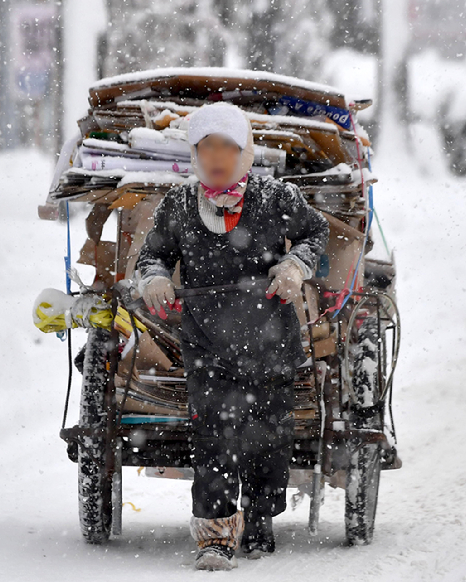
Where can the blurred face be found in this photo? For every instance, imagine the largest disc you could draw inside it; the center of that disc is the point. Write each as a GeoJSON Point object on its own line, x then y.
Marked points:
{"type": "Point", "coordinates": [218, 156]}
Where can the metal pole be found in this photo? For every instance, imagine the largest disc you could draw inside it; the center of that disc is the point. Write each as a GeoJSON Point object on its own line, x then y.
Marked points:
{"type": "Point", "coordinates": [6, 106]}
{"type": "Point", "coordinates": [393, 55]}
{"type": "Point", "coordinates": [117, 489]}
{"type": "Point", "coordinates": [59, 77]}
{"type": "Point", "coordinates": [380, 72]}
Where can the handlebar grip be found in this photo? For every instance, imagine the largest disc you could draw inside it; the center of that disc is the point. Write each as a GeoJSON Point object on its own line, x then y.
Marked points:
{"type": "Point", "coordinates": [183, 292]}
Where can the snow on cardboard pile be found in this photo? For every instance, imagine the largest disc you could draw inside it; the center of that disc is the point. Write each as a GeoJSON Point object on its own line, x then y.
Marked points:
{"type": "Point", "coordinates": [133, 140]}
{"type": "Point", "coordinates": [132, 147]}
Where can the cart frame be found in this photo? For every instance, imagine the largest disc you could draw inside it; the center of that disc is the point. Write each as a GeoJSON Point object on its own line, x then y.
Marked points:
{"type": "Point", "coordinates": [323, 448]}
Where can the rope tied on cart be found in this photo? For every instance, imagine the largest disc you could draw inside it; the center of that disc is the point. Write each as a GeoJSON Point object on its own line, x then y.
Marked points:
{"type": "Point", "coordinates": [340, 297]}
{"type": "Point", "coordinates": [55, 311]}
{"type": "Point", "coordinates": [344, 295]}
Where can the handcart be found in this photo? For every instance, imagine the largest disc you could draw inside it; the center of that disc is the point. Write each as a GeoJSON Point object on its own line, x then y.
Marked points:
{"type": "Point", "coordinates": [133, 409]}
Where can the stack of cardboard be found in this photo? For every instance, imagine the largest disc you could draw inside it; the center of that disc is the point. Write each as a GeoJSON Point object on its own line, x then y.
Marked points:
{"type": "Point", "coordinates": [132, 147]}
{"type": "Point", "coordinates": [133, 138]}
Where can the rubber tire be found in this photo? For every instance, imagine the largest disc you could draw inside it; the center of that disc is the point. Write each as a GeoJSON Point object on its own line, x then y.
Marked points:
{"type": "Point", "coordinates": [364, 466]}
{"type": "Point", "coordinates": [94, 487]}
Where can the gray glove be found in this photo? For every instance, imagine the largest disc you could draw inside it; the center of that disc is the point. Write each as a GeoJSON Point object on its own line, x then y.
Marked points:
{"type": "Point", "coordinates": [287, 280]}
{"type": "Point", "coordinates": [158, 293]}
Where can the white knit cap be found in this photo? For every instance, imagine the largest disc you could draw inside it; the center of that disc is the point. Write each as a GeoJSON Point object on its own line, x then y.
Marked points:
{"type": "Point", "coordinates": [228, 120]}
{"type": "Point", "coordinates": [222, 118]}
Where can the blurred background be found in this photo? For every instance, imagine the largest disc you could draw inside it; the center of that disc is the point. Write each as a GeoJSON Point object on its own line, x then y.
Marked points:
{"type": "Point", "coordinates": [407, 55]}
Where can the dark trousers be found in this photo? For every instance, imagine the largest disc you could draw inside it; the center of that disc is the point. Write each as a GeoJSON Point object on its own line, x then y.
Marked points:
{"type": "Point", "coordinates": [242, 433]}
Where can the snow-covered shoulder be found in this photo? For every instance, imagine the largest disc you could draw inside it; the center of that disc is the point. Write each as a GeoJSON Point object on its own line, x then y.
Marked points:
{"type": "Point", "coordinates": [177, 197]}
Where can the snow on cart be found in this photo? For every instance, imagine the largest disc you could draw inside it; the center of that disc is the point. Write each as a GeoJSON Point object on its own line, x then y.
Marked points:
{"type": "Point", "coordinates": [131, 149]}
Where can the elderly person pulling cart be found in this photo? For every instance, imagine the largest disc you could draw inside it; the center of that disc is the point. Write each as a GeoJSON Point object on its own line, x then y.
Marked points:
{"type": "Point", "coordinates": [240, 349]}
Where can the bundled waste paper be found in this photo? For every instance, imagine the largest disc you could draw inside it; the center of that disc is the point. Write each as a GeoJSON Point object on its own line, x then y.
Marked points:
{"type": "Point", "coordinates": [132, 147]}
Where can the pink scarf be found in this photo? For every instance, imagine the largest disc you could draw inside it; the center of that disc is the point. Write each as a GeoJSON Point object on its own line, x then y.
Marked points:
{"type": "Point", "coordinates": [213, 194]}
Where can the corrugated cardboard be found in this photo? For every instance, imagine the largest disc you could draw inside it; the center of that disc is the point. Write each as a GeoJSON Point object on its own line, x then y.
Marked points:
{"type": "Point", "coordinates": [341, 255]}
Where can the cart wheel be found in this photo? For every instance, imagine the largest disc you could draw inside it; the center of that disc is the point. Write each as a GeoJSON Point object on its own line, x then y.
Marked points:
{"type": "Point", "coordinates": [363, 471]}
{"type": "Point", "coordinates": [94, 486]}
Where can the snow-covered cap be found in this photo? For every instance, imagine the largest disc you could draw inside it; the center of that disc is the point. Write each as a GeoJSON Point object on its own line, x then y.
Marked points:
{"type": "Point", "coordinates": [228, 120]}
{"type": "Point", "coordinates": [223, 118]}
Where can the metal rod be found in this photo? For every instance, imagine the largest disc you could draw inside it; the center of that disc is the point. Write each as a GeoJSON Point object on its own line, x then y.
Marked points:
{"type": "Point", "coordinates": [110, 401]}
{"type": "Point", "coordinates": [118, 243]}
{"type": "Point", "coordinates": [117, 488]}
{"type": "Point", "coordinates": [396, 341]}
{"type": "Point", "coordinates": [379, 351]}
{"type": "Point", "coordinates": [340, 377]}
{"type": "Point", "coordinates": [70, 378]}
{"type": "Point", "coordinates": [317, 474]}
{"type": "Point", "coordinates": [390, 395]}
{"type": "Point", "coordinates": [131, 369]}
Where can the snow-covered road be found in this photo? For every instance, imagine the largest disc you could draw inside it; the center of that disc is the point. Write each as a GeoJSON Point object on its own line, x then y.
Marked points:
{"type": "Point", "coordinates": [421, 523]}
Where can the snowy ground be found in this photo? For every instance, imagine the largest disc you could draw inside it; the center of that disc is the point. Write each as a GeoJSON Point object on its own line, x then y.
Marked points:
{"type": "Point", "coordinates": [421, 522]}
